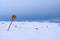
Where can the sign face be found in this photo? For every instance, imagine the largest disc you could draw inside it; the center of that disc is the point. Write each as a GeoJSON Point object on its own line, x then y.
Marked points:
{"type": "Point", "coordinates": [13, 17]}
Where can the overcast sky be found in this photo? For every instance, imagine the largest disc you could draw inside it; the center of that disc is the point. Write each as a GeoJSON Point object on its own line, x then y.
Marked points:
{"type": "Point", "coordinates": [30, 9]}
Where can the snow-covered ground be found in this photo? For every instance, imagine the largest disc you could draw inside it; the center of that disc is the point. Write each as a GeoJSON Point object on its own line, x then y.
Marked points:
{"type": "Point", "coordinates": [30, 31]}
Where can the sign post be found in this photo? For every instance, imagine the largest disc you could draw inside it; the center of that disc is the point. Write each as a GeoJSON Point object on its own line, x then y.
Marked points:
{"type": "Point", "coordinates": [13, 18]}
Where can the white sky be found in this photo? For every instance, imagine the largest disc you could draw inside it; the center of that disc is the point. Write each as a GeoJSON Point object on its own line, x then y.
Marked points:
{"type": "Point", "coordinates": [28, 5]}
{"type": "Point", "coordinates": [30, 8]}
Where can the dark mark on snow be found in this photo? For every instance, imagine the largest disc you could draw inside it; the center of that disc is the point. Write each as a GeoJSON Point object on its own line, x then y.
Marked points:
{"type": "Point", "coordinates": [36, 28]}
{"type": "Point", "coordinates": [2, 23]}
{"type": "Point", "coordinates": [15, 26]}
{"type": "Point", "coordinates": [46, 26]}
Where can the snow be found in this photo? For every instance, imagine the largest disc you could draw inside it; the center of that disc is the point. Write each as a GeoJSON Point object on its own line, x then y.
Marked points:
{"type": "Point", "coordinates": [27, 31]}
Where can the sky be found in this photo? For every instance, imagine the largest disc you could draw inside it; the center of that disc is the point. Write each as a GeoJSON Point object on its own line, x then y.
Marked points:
{"type": "Point", "coordinates": [29, 10]}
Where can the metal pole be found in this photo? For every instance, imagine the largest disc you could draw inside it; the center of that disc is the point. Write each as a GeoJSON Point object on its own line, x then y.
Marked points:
{"type": "Point", "coordinates": [10, 25]}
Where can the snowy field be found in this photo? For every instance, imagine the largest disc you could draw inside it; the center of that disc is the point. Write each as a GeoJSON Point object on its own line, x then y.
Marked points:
{"type": "Point", "coordinates": [30, 31]}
